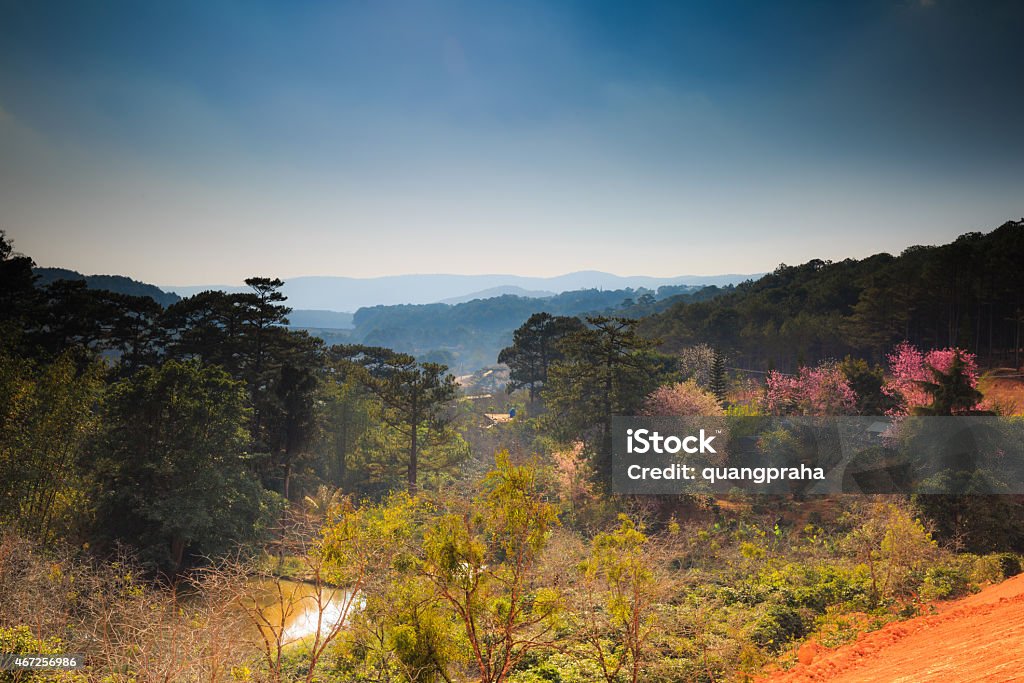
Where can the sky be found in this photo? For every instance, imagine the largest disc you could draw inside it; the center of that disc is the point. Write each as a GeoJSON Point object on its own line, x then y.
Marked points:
{"type": "Point", "coordinates": [204, 142]}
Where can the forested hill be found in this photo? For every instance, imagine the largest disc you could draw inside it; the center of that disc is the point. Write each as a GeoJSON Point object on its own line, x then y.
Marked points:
{"type": "Point", "coordinates": [468, 336]}
{"type": "Point", "coordinates": [969, 293]}
{"type": "Point", "coordinates": [111, 283]}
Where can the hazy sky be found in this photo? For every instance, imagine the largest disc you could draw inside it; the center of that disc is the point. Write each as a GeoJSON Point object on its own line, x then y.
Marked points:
{"type": "Point", "coordinates": [201, 142]}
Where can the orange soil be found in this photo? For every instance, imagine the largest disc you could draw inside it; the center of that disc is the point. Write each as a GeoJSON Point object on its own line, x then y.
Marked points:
{"type": "Point", "coordinates": [1006, 392]}
{"type": "Point", "coordinates": [978, 638]}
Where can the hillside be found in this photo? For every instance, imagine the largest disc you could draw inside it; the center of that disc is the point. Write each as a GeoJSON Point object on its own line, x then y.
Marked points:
{"type": "Point", "coordinates": [349, 294]}
{"type": "Point", "coordinates": [468, 336]}
{"type": "Point", "coordinates": [979, 638]}
{"type": "Point", "coordinates": [967, 293]}
{"type": "Point", "coordinates": [112, 283]}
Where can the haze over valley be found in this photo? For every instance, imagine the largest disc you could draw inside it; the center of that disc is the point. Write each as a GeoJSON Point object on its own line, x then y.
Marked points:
{"type": "Point", "coordinates": [350, 294]}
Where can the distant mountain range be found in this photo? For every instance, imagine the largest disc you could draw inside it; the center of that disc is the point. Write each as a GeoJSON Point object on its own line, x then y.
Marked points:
{"type": "Point", "coordinates": [327, 293]}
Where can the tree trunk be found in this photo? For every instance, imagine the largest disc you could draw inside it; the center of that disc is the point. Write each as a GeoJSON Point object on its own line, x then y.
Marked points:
{"type": "Point", "coordinates": [412, 459]}
{"type": "Point", "coordinates": [178, 552]}
{"type": "Point", "coordinates": [288, 478]}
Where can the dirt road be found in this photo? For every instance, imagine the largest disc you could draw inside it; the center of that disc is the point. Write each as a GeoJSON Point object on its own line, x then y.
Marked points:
{"type": "Point", "coordinates": [978, 638]}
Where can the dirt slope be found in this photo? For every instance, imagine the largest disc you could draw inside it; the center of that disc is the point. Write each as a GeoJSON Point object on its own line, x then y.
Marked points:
{"type": "Point", "coordinates": [978, 638]}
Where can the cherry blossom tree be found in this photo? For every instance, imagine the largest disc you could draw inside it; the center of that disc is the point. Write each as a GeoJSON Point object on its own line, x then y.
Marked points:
{"type": "Point", "coordinates": [822, 390]}
{"type": "Point", "coordinates": [912, 371]}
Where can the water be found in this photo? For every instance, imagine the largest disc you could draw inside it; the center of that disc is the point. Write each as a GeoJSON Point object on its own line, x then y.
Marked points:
{"type": "Point", "coordinates": [293, 610]}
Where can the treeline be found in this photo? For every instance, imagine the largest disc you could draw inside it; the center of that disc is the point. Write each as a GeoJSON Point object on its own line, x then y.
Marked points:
{"type": "Point", "coordinates": [187, 430]}
{"type": "Point", "coordinates": [110, 283]}
{"type": "Point", "coordinates": [469, 335]}
{"type": "Point", "coordinates": [967, 294]}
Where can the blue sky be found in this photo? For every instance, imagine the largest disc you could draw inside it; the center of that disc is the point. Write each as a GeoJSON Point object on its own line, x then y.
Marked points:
{"type": "Point", "coordinates": [202, 142]}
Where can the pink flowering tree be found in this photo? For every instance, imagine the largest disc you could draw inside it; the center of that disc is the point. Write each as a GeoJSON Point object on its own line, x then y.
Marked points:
{"type": "Point", "coordinates": [822, 390]}
{"type": "Point", "coordinates": [911, 372]}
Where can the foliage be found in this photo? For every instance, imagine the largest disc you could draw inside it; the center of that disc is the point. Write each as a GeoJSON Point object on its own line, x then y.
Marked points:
{"type": "Point", "coordinates": [619, 590]}
{"type": "Point", "coordinates": [941, 381]}
{"type": "Point", "coordinates": [176, 481]}
{"type": "Point", "coordinates": [412, 394]}
{"type": "Point", "coordinates": [946, 580]}
{"type": "Point", "coordinates": [483, 561]}
{"type": "Point", "coordinates": [977, 523]}
{"type": "Point", "coordinates": [473, 333]}
{"type": "Point", "coordinates": [535, 346]}
{"type": "Point", "coordinates": [822, 390]}
{"type": "Point", "coordinates": [608, 369]}
{"type": "Point", "coordinates": [403, 632]}
{"type": "Point", "coordinates": [866, 381]}
{"type": "Point", "coordinates": [20, 641]}
{"type": "Point", "coordinates": [962, 294]}
{"type": "Point", "coordinates": [127, 628]}
{"type": "Point", "coordinates": [681, 398]}
{"type": "Point", "coordinates": [167, 430]}
{"type": "Point", "coordinates": [697, 363]}
{"type": "Point", "coordinates": [46, 420]}
{"type": "Point", "coordinates": [895, 547]}
{"type": "Point", "coordinates": [574, 478]}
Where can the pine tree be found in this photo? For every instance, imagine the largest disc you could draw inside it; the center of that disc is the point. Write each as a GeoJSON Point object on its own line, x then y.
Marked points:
{"type": "Point", "coordinates": [718, 376]}
{"type": "Point", "coordinates": [952, 392]}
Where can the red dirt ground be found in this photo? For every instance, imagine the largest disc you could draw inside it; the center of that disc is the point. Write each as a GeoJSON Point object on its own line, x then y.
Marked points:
{"type": "Point", "coordinates": [978, 638]}
{"type": "Point", "coordinates": [1004, 388]}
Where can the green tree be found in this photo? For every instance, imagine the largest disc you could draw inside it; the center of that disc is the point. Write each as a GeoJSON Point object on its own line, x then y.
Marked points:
{"type": "Point", "coordinates": [19, 299]}
{"type": "Point", "coordinates": [345, 408]}
{"type": "Point", "coordinates": [619, 589]}
{"type": "Point", "coordinates": [608, 369]}
{"type": "Point", "coordinates": [246, 334]}
{"type": "Point", "coordinates": [174, 472]}
{"type": "Point", "coordinates": [717, 384]}
{"type": "Point", "coordinates": [534, 348]}
{"type": "Point", "coordinates": [47, 417]}
{"type": "Point", "coordinates": [483, 560]}
{"type": "Point", "coordinates": [403, 633]}
{"type": "Point", "coordinates": [952, 392]}
{"type": "Point", "coordinates": [867, 382]}
{"type": "Point", "coordinates": [208, 326]}
{"type": "Point", "coordinates": [413, 396]}
{"type": "Point", "coordinates": [895, 547]}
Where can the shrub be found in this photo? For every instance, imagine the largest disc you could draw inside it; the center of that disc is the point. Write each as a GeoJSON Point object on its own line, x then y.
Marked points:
{"type": "Point", "coordinates": [777, 626]}
{"type": "Point", "coordinates": [986, 569]}
{"type": "Point", "coordinates": [20, 641]}
{"type": "Point", "coordinates": [945, 581]}
{"type": "Point", "coordinates": [1010, 564]}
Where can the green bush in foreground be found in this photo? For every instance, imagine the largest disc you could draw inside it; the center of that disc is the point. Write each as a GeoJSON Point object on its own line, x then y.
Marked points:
{"type": "Point", "coordinates": [20, 641]}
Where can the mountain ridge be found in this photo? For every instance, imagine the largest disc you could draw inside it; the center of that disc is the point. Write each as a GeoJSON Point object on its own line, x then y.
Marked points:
{"type": "Point", "coordinates": [120, 284]}
{"type": "Point", "coordinates": [341, 293]}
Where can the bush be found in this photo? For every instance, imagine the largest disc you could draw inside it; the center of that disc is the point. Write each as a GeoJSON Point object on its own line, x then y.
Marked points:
{"type": "Point", "coordinates": [20, 641]}
{"type": "Point", "coordinates": [947, 580]}
{"type": "Point", "coordinates": [986, 569]}
{"type": "Point", "coordinates": [1010, 564]}
{"type": "Point", "coordinates": [777, 626]}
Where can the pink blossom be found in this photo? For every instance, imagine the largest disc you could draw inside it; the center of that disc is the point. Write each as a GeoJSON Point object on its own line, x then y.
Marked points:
{"type": "Point", "coordinates": [822, 390]}
{"type": "Point", "coordinates": [908, 367]}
